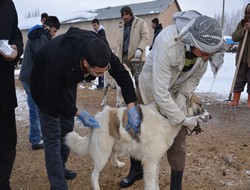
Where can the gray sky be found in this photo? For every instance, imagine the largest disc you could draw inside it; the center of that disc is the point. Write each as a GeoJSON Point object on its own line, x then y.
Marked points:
{"type": "Point", "coordinates": [55, 7]}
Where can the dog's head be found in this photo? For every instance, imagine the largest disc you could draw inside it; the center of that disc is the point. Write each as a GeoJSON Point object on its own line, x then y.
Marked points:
{"type": "Point", "coordinates": [195, 109]}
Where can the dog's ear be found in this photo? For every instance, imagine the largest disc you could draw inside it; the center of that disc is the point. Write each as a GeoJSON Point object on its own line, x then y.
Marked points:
{"type": "Point", "coordinates": [196, 99]}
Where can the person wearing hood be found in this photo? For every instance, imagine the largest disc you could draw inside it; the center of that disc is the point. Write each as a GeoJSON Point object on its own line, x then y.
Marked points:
{"type": "Point", "coordinates": [243, 76]}
{"type": "Point", "coordinates": [37, 38]}
{"type": "Point", "coordinates": [171, 73]}
{"type": "Point", "coordinates": [100, 30]}
{"type": "Point", "coordinates": [59, 66]}
{"type": "Point", "coordinates": [11, 34]}
{"type": "Point", "coordinates": [157, 27]}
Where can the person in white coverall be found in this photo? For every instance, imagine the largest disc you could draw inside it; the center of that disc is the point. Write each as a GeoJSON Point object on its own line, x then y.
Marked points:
{"type": "Point", "coordinates": [172, 72]}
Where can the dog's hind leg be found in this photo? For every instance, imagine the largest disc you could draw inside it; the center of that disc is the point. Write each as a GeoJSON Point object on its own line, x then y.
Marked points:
{"type": "Point", "coordinates": [99, 164]}
{"type": "Point", "coordinates": [115, 161]}
{"type": "Point", "coordinates": [150, 175]}
{"type": "Point", "coordinates": [100, 155]}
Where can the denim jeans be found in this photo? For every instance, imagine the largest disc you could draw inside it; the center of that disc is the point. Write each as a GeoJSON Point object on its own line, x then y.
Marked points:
{"type": "Point", "coordinates": [35, 129]}
{"type": "Point", "coordinates": [54, 130]}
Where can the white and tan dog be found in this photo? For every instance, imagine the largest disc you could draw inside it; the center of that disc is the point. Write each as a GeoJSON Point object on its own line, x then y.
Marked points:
{"type": "Point", "coordinates": [155, 138]}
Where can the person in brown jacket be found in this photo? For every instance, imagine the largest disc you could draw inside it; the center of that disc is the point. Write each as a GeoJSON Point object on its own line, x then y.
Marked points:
{"type": "Point", "coordinates": [243, 76]}
{"type": "Point", "coordinates": [134, 37]}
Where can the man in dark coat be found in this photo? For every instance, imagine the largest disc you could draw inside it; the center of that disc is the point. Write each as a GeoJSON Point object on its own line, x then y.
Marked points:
{"type": "Point", "coordinates": [157, 27]}
{"type": "Point", "coordinates": [59, 66]}
{"type": "Point", "coordinates": [10, 32]}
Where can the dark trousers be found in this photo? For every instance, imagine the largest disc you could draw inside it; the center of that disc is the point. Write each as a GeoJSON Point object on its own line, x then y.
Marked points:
{"type": "Point", "coordinates": [100, 81]}
{"type": "Point", "coordinates": [177, 152]}
{"type": "Point", "coordinates": [8, 140]}
{"type": "Point", "coordinates": [243, 78]}
{"type": "Point", "coordinates": [54, 130]}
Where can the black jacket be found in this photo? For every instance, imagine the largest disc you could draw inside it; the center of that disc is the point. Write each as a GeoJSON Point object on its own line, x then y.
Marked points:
{"type": "Point", "coordinates": [57, 69]}
{"type": "Point", "coordinates": [9, 31]}
{"type": "Point", "coordinates": [157, 31]}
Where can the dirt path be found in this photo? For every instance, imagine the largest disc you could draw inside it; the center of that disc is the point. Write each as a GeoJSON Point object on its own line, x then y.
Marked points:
{"type": "Point", "coordinates": [218, 158]}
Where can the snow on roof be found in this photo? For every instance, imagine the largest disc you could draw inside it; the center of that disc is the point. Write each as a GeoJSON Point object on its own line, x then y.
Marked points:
{"type": "Point", "coordinates": [151, 7]}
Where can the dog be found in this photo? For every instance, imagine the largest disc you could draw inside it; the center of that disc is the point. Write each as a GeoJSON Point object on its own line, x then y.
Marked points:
{"type": "Point", "coordinates": [109, 81]}
{"type": "Point", "coordinates": [155, 138]}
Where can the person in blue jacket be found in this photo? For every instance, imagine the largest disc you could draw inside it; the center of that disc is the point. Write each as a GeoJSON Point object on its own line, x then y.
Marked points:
{"type": "Point", "coordinates": [37, 38]}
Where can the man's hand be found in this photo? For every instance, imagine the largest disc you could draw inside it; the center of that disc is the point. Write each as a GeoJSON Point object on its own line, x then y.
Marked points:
{"type": "Point", "coordinates": [247, 26]}
{"type": "Point", "coordinates": [88, 120]}
{"type": "Point", "coordinates": [190, 122]}
{"type": "Point", "coordinates": [134, 119]}
{"type": "Point", "coordinates": [12, 56]}
{"type": "Point", "coordinates": [138, 53]}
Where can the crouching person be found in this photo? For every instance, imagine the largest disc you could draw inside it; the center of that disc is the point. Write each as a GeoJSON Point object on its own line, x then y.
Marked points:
{"type": "Point", "coordinates": [171, 73]}
{"type": "Point", "coordinates": [58, 67]}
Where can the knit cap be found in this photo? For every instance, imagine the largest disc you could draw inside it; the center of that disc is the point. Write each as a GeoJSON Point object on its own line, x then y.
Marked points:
{"type": "Point", "coordinates": [126, 9]}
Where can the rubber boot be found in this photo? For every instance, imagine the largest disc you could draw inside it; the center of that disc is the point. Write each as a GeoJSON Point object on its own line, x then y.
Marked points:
{"type": "Point", "coordinates": [135, 173]}
{"type": "Point", "coordinates": [248, 101]}
{"type": "Point", "coordinates": [236, 99]}
{"type": "Point", "coordinates": [176, 180]}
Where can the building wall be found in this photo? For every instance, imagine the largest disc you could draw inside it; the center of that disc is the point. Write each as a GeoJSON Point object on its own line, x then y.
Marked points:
{"type": "Point", "coordinates": [112, 25]}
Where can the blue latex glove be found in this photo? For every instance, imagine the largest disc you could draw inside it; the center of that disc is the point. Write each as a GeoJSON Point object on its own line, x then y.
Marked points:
{"type": "Point", "coordinates": [88, 120]}
{"type": "Point", "coordinates": [134, 120]}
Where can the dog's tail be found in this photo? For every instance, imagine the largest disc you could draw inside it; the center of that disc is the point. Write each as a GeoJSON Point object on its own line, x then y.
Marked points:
{"type": "Point", "coordinates": [77, 144]}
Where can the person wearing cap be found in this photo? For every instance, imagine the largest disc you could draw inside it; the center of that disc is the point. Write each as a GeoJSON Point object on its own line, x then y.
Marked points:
{"type": "Point", "coordinates": [157, 27]}
{"type": "Point", "coordinates": [58, 67]}
{"type": "Point", "coordinates": [243, 76]}
{"type": "Point", "coordinates": [37, 38]}
{"type": "Point", "coordinates": [172, 72]}
{"type": "Point", "coordinates": [134, 37]}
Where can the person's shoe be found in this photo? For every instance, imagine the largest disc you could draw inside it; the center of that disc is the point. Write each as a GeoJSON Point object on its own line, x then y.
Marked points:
{"type": "Point", "coordinates": [99, 87]}
{"type": "Point", "coordinates": [38, 146]}
{"type": "Point", "coordinates": [130, 179]}
{"type": "Point", "coordinates": [69, 174]}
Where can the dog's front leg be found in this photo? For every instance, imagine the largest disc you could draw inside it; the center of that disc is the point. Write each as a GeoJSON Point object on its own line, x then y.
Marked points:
{"type": "Point", "coordinates": [150, 175]}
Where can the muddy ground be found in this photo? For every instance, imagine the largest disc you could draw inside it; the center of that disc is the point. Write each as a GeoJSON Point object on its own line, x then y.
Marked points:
{"type": "Point", "coordinates": [218, 158]}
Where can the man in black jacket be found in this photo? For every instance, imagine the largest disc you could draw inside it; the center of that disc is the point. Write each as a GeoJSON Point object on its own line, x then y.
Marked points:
{"type": "Point", "coordinates": [59, 66]}
{"type": "Point", "coordinates": [10, 32]}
